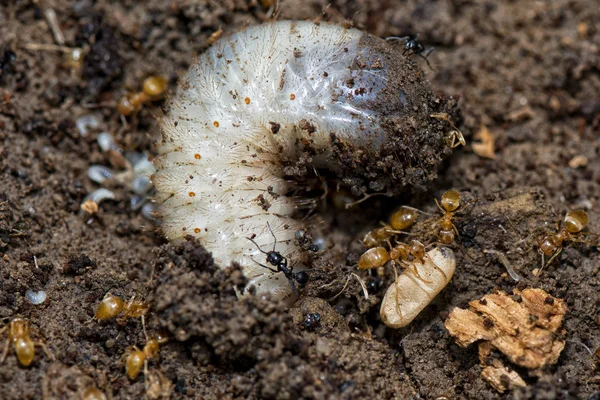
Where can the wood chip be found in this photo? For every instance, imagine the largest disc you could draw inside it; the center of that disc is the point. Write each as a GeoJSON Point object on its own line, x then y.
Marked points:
{"type": "Point", "coordinates": [485, 147]}
{"type": "Point", "coordinates": [578, 161]}
{"type": "Point", "coordinates": [525, 327]}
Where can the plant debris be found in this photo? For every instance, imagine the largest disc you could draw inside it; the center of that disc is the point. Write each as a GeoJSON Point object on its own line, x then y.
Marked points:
{"type": "Point", "coordinates": [525, 327]}
{"type": "Point", "coordinates": [485, 148]}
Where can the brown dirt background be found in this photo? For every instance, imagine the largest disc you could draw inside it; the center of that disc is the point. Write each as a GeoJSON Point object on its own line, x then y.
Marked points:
{"type": "Point", "coordinates": [529, 72]}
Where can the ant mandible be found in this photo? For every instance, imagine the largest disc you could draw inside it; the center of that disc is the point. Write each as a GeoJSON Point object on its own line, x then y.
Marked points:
{"type": "Point", "coordinates": [413, 46]}
{"type": "Point", "coordinates": [277, 259]}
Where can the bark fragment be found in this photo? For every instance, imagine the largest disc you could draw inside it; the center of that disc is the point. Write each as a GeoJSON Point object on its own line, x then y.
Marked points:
{"type": "Point", "coordinates": [525, 327]}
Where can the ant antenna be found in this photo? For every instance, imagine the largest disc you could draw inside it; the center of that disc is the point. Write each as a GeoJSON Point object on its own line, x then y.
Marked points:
{"type": "Point", "coordinates": [274, 237]}
{"type": "Point", "coordinates": [257, 246]}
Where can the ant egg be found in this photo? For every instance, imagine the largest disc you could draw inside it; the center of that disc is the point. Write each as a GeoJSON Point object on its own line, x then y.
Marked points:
{"type": "Point", "coordinates": [348, 100]}
{"type": "Point", "coordinates": [412, 291]}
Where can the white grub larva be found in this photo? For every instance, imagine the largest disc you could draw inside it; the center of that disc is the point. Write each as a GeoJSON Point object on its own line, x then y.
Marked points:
{"type": "Point", "coordinates": [271, 103]}
{"type": "Point", "coordinates": [410, 294]}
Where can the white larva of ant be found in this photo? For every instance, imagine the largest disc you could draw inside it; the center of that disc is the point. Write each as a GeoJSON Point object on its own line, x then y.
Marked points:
{"type": "Point", "coordinates": [409, 294]}
{"type": "Point", "coordinates": [270, 102]}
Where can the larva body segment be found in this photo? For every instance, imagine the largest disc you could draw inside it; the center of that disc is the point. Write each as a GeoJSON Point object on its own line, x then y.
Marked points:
{"type": "Point", "coordinates": [409, 295]}
{"type": "Point", "coordinates": [271, 103]}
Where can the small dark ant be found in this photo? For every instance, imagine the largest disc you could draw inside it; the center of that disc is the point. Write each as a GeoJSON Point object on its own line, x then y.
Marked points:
{"type": "Point", "coordinates": [311, 320]}
{"type": "Point", "coordinates": [414, 46]}
{"type": "Point", "coordinates": [276, 259]}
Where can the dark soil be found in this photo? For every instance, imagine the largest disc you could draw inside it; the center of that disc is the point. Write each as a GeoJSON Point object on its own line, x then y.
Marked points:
{"type": "Point", "coordinates": [529, 72]}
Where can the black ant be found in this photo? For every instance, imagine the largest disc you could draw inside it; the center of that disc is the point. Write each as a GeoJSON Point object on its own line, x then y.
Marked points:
{"type": "Point", "coordinates": [276, 259]}
{"type": "Point", "coordinates": [414, 46]}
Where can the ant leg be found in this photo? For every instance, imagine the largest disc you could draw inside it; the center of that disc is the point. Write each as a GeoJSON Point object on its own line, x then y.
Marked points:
{"type": "Point", "coordinates": [5, 352]}
{"type": "Point", "coordinates": [439, 206]}
{"type": "Point", "coordinates": [46, 350]}
{"type": "Point", "coordinates": [554, 256]}
{"type": "Point", "coordinates": [395, 271]}
{"type": "Point", "coordinates": [398, 310]}
{"type": "Point", "coordinates": [455, 230]}
{"type": "Point", "coordinates": [437, 267]}
{"type": "Point", "coordinates": [146, 375]}
{"type": "Point", "coordinates": [415, 271]}
{"type": "Point", "coordinates": [466, 205]}
{"type": "Point", "coordinates": [292, 285]}
{"type": "Point", "coordinates": [264, 266]}
{"type": "Point", "coordinates": [426, 60]}
{"type": "Point", "coordinates": [144, 327]}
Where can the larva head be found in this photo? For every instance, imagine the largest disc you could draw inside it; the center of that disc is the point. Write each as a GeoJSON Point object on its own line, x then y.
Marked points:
{"type": "Point", "coordinates": [391, 103]}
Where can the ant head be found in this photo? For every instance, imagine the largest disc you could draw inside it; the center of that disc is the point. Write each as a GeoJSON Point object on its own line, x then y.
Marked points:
{"type": "Point", "coordinates": [575, 221]}
{"type": "Point", "coordinates": [301, 277]}
{"type": "Point", "coordinates": [451, 200]}
{"type": "Point", "coordinates": [275, 258]}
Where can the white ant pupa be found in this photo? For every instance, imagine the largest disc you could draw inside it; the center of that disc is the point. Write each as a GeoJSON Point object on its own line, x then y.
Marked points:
{"type": "Point", "coordinates": [272, 101]}
{"type": "Point", "coordinates": [416, 287]}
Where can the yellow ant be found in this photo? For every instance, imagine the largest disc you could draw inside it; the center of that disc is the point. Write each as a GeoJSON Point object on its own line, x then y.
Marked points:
{"type": "Point", "coordinates": [18, 334]}
{"type": "Point", "coordinates": [552, 245]}
{"type": "Point", "coordinates": [135, 358]}
{"type": "Point", "coordinates": [453, 138]}
{"type": "Point", "coordinates": [111, 306]}
{"type": "Point", "coordinates": [449, 206]}
{"type": "Point", "coordinates": [401, 220]}
{"type": "Point", "coordinates": [153, 89]}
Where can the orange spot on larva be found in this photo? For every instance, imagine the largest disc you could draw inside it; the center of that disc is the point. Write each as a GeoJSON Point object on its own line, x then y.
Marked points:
{"type": "Point", "coordinates": [197, 156]}
{"type": "Point", "coordinates": [247, 100]}
{"type": "Point", "coordinates": [216, 124]}
{"type": "Point", "coordinates": [292, 96]}
{"type": "Point", "coordinates": [196, 230]}
{"type": "Point", "coordinates": [191, 194]}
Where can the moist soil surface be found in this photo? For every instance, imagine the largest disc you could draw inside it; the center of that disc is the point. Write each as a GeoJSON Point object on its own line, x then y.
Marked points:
{"type": "Point", "coordinates": [528, 72]}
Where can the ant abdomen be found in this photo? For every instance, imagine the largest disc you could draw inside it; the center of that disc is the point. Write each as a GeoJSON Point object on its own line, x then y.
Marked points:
{"type": "Point", "coordinates": [374, 258]}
